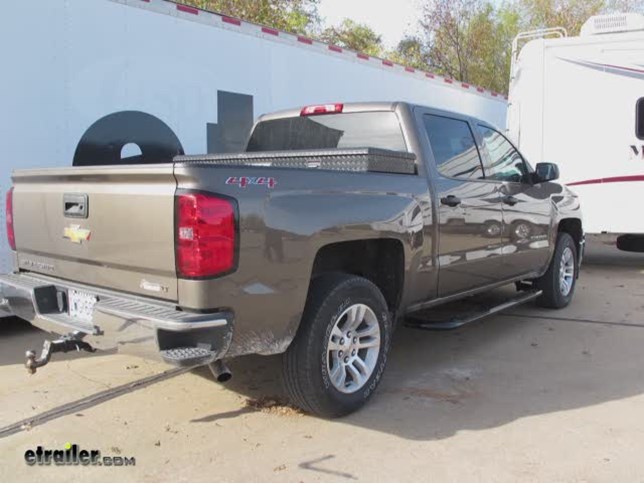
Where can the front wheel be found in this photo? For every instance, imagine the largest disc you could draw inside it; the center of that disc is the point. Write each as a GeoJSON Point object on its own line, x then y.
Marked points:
{"type": "Point", "coordinates": [337, 358]}
{"type": "Point", "coordinates": [558, 283]}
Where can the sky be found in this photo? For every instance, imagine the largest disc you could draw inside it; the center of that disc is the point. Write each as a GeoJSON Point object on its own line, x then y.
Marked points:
{"type": "Point", "coordinates": [389, 18]}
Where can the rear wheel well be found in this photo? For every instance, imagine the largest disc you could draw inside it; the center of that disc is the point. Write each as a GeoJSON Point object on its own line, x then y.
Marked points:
{"type": "Point", "coordinates": [379, 260]}
{"type": "Point", "coordinates": [573, 227]}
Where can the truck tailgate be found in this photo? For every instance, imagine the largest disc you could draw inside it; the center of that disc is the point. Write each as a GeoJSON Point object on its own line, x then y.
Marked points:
{"type": "Point", "coordinates": [108, 226]}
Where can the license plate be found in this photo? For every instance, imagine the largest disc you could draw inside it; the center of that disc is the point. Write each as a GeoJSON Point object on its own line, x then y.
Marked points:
{"type": "Point", "coordinates": [81, 305]}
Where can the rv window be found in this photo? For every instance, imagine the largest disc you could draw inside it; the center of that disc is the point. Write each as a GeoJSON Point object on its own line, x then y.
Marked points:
{"type": "Point", "coordinates": [453, 147]}
{"type": "Point", "coordinates": [639, 119]}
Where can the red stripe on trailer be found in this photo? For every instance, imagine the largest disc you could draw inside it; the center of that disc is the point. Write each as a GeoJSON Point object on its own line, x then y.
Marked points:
{"type": "Point", "coordinates": [305, 40]}
{"type": "Point", "coordinates": [187, 9]}
{"type": "Point", "coordinates": [230, 20]}
{"type": "Point", "coordinates": [612, 179]}
{"type": "Point", "coordinates": [623, 67]}
{"type": "Point", "coordinates": [268, 30]}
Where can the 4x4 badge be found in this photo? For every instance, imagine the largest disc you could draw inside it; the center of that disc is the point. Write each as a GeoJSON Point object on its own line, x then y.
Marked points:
{"type": "Point", "coordinates": [76, 234]}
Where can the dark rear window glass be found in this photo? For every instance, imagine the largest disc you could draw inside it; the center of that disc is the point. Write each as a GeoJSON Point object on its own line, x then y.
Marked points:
{"type": "Point", "coordinates": [347, 130]}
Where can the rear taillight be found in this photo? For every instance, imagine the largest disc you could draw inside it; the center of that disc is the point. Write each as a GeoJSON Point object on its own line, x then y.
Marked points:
{"type": "Point", "coordinates": [9, 217]}
{"type": "Point", "coordinates": [322, 109]}
{"type": "Point", "coordinates": [206, 235]}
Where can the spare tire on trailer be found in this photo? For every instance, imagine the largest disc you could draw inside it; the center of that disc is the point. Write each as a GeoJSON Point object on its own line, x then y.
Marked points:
{"type": "Point", "coordinates": [631, 243]}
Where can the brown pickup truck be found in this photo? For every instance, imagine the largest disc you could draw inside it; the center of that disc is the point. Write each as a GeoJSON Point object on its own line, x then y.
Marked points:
{"type": "Point", "coordinates": [338, 222]}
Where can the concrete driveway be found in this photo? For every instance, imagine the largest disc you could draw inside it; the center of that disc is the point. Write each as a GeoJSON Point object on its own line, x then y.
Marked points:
{"type": "Point", "coordinates": [528, 395]}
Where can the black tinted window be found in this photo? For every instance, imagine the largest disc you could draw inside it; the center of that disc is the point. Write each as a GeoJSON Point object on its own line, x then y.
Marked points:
{"type": "Point", "coordinates": [346, 130]}
{"type": "Point", "coordinates": [454, 147]}
{"type": "Point", "coordinates": [639, 119]}
{"type": "Point", "coordinates": [506, 163]}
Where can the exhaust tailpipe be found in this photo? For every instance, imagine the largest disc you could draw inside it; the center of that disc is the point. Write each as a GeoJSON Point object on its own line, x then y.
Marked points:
{"type": "Point", "coordinates": [220, 371]}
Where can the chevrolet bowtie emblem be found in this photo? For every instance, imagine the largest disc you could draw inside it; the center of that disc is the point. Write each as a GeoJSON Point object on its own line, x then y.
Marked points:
{"type": "Point", "coordinates": [75, 234]}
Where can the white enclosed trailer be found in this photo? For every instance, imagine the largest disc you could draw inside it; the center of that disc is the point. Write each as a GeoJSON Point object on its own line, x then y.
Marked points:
{"type": "Point", "coordinates": [579, 102]}
{"type": "Point", "coordinates": [107, 80]}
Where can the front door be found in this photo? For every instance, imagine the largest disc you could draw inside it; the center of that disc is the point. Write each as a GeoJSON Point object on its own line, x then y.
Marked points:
{"type": "Point", "coordinates": [470, 212]}
{"type": "Point", "coordinates": [528, 211]}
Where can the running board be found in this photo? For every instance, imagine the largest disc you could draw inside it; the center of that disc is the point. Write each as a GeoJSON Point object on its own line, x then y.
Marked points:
{"type": "Point", "coordinates": [426, 322]}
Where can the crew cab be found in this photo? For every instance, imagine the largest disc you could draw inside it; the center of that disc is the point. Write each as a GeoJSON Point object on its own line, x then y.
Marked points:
{"type": "Point", "coordinates": [338, 222]}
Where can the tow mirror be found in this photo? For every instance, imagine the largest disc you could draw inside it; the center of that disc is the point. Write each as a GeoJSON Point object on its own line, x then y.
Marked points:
{"type": "Point", "coordinates": [545, 172]}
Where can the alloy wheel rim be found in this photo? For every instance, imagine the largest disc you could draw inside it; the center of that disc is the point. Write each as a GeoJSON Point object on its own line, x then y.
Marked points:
{"type": "Point", "coordinates": [493, 230]}
{"type": "Point", "coordinates": [522, 231]}
{"type": "Point", "coordinates": [566, 271]}
{"type": "Point", "coordinates": [353, 348]}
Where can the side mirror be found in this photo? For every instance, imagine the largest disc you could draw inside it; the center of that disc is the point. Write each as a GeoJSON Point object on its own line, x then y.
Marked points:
{"type": "Point", "coordinates": [545, 172]}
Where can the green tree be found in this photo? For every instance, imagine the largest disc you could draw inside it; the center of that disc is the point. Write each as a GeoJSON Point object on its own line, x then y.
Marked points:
{"type": "Point", "coordinates": [570, 14]}
{"type": "Point", "coordinates": [410, 51]}
{"type": "Point", "coordinates": [468, 41]}
{"type": "Point", "coordinates": [297, 16]}
{"type": "Point", "coordinates": [354, 36]}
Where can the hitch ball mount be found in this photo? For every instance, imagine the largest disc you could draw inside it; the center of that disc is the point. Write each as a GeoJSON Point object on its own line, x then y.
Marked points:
{"type": "Point", "coordinates": [69, 342]}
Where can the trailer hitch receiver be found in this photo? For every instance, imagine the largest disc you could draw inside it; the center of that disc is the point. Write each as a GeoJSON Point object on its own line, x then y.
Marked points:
{"type": "Point", "coordinates": [70, 342]}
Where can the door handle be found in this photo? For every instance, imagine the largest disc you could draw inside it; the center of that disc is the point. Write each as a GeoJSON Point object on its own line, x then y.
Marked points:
{"type": "Point", "coordinates": [75, 205]}
{"type": "Point", "coordinates": [510, 200]}
{"type": "Point", "coordinates": [451, 201]}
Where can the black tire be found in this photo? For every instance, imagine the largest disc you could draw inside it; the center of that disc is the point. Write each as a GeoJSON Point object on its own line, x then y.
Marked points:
{"type": "Point", "coordinates": [630, 243]}
{"type": "Point", "coordinates": [305, 362]}
{"type": "Point", "coordinates": [550, 283]}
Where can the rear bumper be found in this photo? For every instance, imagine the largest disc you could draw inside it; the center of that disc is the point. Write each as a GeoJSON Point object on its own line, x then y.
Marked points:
{"type": "Point", "coordinates": [130, 324]}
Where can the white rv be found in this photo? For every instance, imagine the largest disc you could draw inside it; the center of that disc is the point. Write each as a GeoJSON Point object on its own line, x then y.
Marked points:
{"type": "Point", "coordinates": [108, 80]}
{"type": "Point", "coordinates": [579, 102]}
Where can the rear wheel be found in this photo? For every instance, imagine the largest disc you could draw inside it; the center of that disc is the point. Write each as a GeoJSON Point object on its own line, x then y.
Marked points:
{"type": "Point", "coordinates": [339, 354]}
{"type": "Point", "coordinates": [558, 283]}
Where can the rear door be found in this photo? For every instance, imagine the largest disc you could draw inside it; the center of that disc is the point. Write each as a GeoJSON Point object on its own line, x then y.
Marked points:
{"type": "Point", "coordinates": [528, 211]}
{"type": "Point", "coordinates": [469, 212]}
{"type": "Point", "coordinates": [108, 226]}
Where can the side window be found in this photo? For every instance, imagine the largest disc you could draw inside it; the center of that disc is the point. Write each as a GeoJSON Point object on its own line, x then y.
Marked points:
{"type": "Point", "coordinates": [639, 119]}
{"type": "Point", "coordinates": [454, 147]}
{"type": "Point", "coordinates": [506, 164]}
